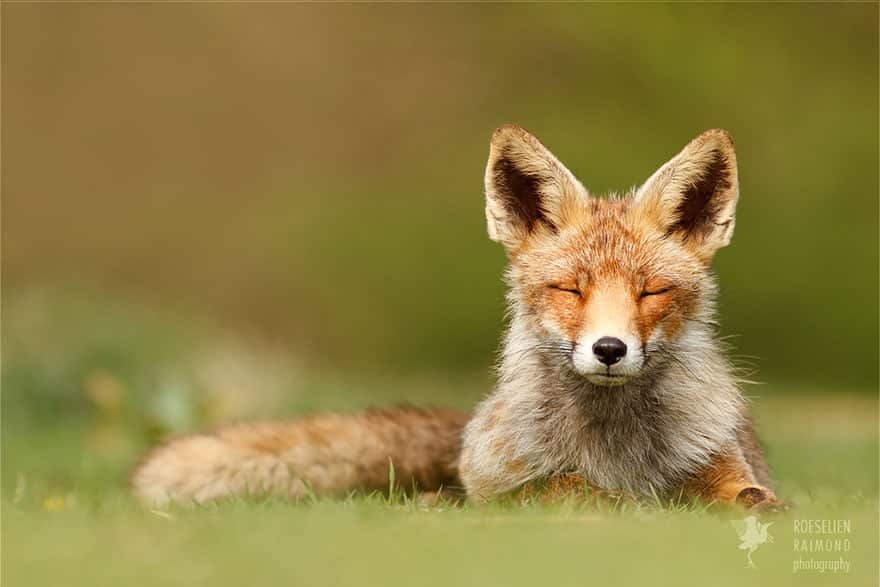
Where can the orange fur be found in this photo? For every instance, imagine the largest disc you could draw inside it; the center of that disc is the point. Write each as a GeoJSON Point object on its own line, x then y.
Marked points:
{"type": "Point", "coordinates": [728, 479]}
{"type": "Point", "coordinates": [592, 262]}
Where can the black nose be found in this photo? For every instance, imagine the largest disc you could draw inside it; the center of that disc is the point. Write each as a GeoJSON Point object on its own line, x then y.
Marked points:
{"type": "Point", "coordinates": [609, 350]}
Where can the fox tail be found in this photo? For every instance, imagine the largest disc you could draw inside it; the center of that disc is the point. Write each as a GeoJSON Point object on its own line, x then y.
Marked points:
{"type": "Point", "coordinates": [331, 454]}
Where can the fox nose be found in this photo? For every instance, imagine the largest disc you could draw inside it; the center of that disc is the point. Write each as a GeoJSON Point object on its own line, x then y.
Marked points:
{"type": "Point", "coordinates": [609, 350]}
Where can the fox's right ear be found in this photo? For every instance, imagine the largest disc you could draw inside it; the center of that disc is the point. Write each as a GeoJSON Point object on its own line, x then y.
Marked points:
{"type": "Point", "coordinates": [527, 189]}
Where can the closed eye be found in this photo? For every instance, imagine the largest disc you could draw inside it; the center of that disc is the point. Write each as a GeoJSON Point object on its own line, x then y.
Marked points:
{"type": "Point", "coordinates": [572, 290]}
{"type": "Point", "coordinates": [655, 292]}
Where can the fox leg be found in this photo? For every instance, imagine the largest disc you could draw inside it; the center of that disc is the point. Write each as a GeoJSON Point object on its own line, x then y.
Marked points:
{"type": "Point", "coordinates": [728, 478]}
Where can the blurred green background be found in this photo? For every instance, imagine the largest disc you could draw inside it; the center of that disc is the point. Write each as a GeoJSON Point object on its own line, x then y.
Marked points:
{"type": "Point", "coordinates": [219, 211]}
{"type": "Point", "coordinates": [314, 173]}
{"type": "Point", "coordinates": [224, 210]}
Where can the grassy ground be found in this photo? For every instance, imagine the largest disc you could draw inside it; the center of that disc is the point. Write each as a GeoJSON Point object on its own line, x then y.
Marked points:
{"type": "Point", "coordinates": [86, 386]}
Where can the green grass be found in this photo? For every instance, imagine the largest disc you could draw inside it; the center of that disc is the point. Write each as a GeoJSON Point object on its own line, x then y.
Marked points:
{"type": "Point", "coordinates": [365, 542]}
{"type": "Point", "coordinates": [81, 402]}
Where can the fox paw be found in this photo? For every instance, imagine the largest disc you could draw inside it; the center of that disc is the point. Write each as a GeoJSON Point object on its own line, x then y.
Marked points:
{"type": "Point", "coordinates": [759, 499]}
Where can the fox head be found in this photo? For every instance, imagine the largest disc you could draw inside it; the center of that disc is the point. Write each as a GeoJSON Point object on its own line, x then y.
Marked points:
{"type": "Point", "coordinates": [609, 286]}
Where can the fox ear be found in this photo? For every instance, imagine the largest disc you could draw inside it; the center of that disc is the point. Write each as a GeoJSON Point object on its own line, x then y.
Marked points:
{"type": "Point", "coordinates": [527, 189]}
{"type": "Point", "coordinates": [694, 195]}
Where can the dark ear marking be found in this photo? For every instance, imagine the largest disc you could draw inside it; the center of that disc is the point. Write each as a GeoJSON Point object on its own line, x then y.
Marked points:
{"type": "Point", "coordinates": [519, 192]}
{"type": "Point", "coordinates": [527, 189]}
{"type": "Point", "coordinates": [699, 208]}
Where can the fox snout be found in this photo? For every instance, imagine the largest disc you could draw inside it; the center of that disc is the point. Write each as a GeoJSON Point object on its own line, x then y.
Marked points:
{"type": "Point", "coordinates": [607, 360]}
{"type": "Point", "coordinates": [607, 345]}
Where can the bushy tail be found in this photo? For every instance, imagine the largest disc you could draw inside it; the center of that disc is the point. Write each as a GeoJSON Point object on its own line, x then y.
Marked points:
{"type": "Point", "coordinates": [328, 454]}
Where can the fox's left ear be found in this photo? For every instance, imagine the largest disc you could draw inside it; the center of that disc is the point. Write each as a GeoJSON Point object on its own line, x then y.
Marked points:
{"type": "Point", "coordinates": [694, 195]}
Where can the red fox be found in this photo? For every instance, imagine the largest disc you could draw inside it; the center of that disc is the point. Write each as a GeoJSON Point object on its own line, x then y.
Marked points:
{"type": "Point", "coordinates": [611, 374]}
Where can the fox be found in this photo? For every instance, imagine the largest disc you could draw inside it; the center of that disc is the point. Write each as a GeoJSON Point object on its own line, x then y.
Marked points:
{"type": "Point", "coordinates": [611, 379]}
